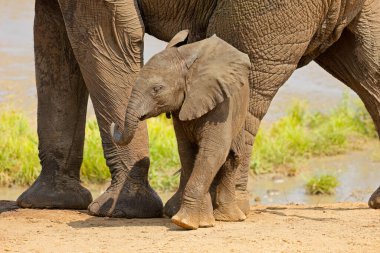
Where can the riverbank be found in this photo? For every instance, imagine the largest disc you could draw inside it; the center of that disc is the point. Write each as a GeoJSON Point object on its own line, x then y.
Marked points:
{"type": "Point", "coordinates": [339, 227]}
{"type": "Point", "coordinates": [279, 147]}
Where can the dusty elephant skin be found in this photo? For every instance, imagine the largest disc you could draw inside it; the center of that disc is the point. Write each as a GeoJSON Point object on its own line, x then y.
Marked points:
{"type": "Point", "coordinates": [204, 86]}
{"type": "Point", "coordinates": [95, 47]}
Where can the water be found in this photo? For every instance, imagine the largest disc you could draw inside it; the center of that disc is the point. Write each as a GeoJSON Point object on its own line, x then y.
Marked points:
{"type": "Point", "coordinates": [358, 174]}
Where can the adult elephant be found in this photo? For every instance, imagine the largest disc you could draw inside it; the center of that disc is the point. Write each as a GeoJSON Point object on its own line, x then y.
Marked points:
{"type": "Point", "coordinates": [95, 46]}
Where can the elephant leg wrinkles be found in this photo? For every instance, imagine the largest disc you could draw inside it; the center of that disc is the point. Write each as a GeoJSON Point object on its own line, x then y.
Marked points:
{"type": "Point", "coordinates": [187, 152]}
{"type": "Point", "coordinates": [226, 208]}
{"type": "Point", "coordinates": [62, 103]}
{"type": "Point", "coordinates": [107, 37]}
{"type": "Point", "coordinates": [196, 200]}
{"type": "Point", "coordinates": [108, 55]}
{"type": "Point", "coordinates": [355, 60]}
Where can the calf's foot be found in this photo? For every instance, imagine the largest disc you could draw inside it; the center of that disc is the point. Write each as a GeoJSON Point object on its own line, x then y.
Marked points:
{"type": "Point", "coordinates": [229, 212]}
{"type": "Point", "coordinates": [55, 192]}
{"type": "Point", "coordinates": [187, 217]}
{"type": "Point", "coordinates": [193, 215]}
{"type": "Point", "coordinates": [242, 200]}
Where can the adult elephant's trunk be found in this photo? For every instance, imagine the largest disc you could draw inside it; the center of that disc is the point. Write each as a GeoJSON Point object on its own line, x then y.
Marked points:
{"type": "Point", "coordinates": [130, 125]}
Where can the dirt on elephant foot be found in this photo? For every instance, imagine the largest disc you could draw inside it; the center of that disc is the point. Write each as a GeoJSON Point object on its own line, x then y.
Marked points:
{"type": "Point", "coordinates": [61, 193]}
{"type": "Point", "coordinates": [242, 200]}
{"type": "Point", "coordinates": [193, 215]}
{"type": "Point", "coordinates": [229, 212]}
{"type": "Point", "coordinates": [206, 219]}
{"type": "Point", "coordinates": [127, 201]}
{"type": "Point", "coordinates": [340, 227]}
{"type": "Point", "coordinates": [187, 218]}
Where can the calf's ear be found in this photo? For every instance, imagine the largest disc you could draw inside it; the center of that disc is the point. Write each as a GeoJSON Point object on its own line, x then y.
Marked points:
{"type": "Point", "coordinates": [219, 71]}
{"type": "Point", "coordinates": [179, 39]}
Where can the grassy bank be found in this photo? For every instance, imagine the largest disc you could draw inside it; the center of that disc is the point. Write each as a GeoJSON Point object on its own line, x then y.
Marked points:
{"type": "Point", "coordinates": [302, 134]}
{"type": "Point", "coordinates": [299, 135]}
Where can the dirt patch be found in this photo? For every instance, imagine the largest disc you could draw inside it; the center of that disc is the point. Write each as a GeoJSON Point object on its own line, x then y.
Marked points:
{"type": "Point", "coordinates": [341, 227]}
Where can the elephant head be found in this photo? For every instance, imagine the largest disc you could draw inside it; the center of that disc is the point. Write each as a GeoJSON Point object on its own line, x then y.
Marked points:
{"type": "Point", "coordinates": [189, 78]}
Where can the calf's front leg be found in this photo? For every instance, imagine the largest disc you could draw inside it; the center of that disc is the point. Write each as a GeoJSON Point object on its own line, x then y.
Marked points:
{"type": "Point", "coordinates": [196, 195]}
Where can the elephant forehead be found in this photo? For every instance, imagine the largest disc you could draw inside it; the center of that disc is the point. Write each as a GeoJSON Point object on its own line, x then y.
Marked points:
{"type": "Point", "coordinates": [162, 60]}
{"type": "Point", "coordinates": [149, 78]}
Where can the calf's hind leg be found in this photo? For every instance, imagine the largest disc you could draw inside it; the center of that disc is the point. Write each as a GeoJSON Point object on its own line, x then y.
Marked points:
{"type": "Point", "coordinates": [274, 53]}
{"type": "Point", "coordinates": [226, 204]}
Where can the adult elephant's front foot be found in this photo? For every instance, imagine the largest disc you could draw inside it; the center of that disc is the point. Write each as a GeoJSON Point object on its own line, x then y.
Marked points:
{"type": "Point", "coordinates": [61, 192]}
{"type": "Point", "coordinates": [374, 200]}
{"type": "Point", "coordinates": [127, 199]}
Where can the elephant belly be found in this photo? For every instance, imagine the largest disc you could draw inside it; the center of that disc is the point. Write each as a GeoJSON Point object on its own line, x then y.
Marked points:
{"type": "Point", "coordinates": [337, 18]}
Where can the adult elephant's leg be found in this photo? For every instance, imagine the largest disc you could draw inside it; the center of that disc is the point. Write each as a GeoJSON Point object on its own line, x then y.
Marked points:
{"type": "Point", "coordinates": [107, 39]}
{"type": "Point", "coordinates": [62, 103]}
{"type": "Point", "coordinates": [275, 37]}
{"type": "Point", "coordinates": [355, 60]}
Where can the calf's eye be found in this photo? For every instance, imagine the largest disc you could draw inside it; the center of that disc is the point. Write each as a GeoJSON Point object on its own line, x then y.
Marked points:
{"type": "Point", "coordinates": [157, 88]}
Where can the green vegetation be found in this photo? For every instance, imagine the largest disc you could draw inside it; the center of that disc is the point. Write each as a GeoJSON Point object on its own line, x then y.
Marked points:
{"type": "Point", "coordinates": [323, 184]}
{"type": "Point", "coordinates": [299, 135]}
{"type": "Point", "coordinates": [19, 163]}
{"type": "Point", "coordinates": [94, 168]}
{"type": "Point", "coordinates": [163, 154]}
{"type": "Point", "coordinates": [302, 134]}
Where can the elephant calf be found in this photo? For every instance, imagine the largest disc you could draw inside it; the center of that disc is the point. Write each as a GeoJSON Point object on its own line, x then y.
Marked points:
{"type": "Point", "coordinates": [204, 85]}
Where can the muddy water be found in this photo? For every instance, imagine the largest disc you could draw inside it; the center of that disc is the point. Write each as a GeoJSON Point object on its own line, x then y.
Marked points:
{"type": "Point", "coordinates": [357, 174]}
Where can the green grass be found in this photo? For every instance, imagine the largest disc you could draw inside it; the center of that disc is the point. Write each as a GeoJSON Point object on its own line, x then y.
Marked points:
{"type": "Point", "coordinates": [163, 154]}
{"type": "Point", "coordinates": [94, 168]}
{"type": "Point", "coordinates": [323, 184]}
{"type": "Point", "coordinates": [19, 163]}
{"type": "Point", "coordinates": [299, 135]}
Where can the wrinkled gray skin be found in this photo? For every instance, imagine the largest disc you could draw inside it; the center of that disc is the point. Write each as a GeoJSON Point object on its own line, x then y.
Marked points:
{"type": "Point", "coordinates": [204, 85]}
{"type": "Point", "coordinates": [95, 47]}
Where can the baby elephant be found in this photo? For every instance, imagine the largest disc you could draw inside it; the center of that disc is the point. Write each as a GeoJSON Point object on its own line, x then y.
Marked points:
{"type": "Point", "coordinates": [204, 86]}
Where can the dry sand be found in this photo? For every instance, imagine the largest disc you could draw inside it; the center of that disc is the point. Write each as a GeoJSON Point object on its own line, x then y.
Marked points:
{"type": "Point", "coordinates": [340, 227]}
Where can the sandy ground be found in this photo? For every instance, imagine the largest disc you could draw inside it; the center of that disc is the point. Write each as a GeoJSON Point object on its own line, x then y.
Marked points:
{"type": "Point", "coordinates": [341, 227]}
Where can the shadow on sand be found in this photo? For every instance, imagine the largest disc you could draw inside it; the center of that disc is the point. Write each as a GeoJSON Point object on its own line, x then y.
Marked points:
{"type": "Point", "coordinates": [121, 222]}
